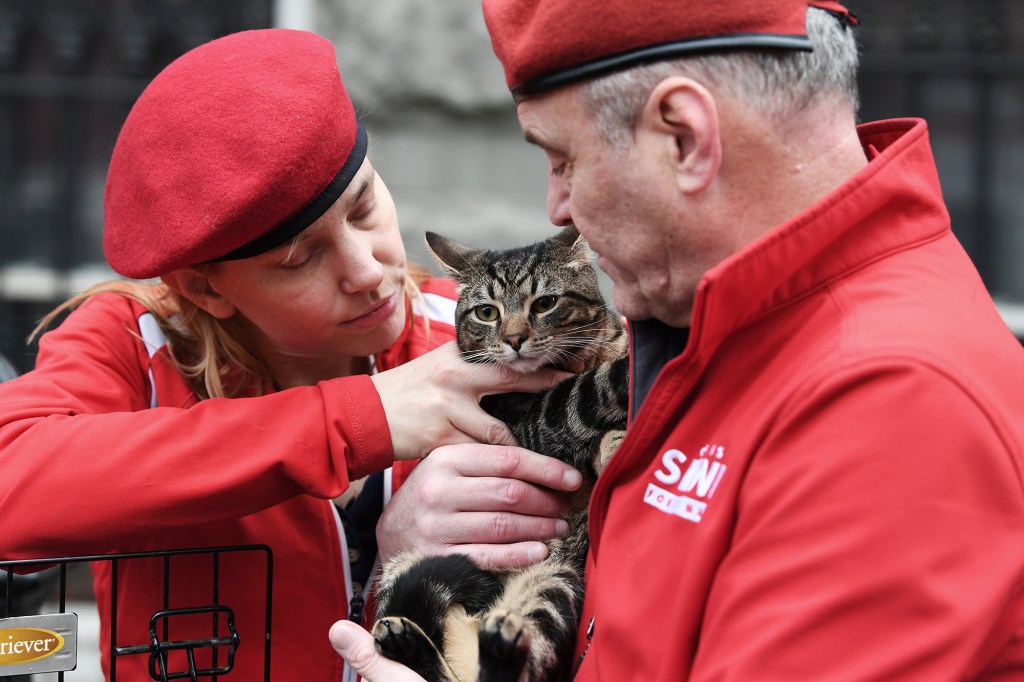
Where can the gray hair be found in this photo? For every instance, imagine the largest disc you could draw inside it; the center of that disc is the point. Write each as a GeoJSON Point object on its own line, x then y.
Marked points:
{"type": "Point", "coordinates": [775, 83]}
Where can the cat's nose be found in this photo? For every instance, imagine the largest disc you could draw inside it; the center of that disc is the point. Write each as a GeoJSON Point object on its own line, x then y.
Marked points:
{"type": "Point", "coordinates": [515, 340]}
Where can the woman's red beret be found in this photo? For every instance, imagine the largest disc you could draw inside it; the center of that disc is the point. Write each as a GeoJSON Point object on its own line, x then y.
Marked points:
{"type": "Point", "coordinates": [234, 148]}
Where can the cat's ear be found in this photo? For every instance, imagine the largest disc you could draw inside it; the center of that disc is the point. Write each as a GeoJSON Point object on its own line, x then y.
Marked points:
{"type": "Point", "coordinates": [456, 259]}
{"type": "Point", "coordinates": [580, 254]}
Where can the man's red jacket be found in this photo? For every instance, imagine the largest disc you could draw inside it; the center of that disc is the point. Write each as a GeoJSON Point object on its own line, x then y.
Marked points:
{"type": "Point", "coordinates": [826, 483]}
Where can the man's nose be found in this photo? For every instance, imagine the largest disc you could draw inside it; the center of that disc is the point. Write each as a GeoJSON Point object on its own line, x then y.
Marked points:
{"type": "Point", "coordinates": [558, 202]}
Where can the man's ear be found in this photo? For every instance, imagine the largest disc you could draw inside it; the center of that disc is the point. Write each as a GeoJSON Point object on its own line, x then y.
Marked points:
{"type": "Point", "coordinates": [685, 112]}
{"type": "Point", "coordinates": [194, 285]}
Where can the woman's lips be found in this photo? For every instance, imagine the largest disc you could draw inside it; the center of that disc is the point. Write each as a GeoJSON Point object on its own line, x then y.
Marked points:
{"type": "Point", "coordinates": [376, 315]}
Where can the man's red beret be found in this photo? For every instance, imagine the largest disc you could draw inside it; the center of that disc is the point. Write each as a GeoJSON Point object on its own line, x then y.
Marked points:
{"type": "Point", "coordinates": [545, 44]}
{"type": "Point", "coordinates": [233, 149]}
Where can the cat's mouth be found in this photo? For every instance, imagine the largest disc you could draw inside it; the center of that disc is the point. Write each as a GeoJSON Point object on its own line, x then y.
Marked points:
{"type": "Point", "coordinates": [526, 365]}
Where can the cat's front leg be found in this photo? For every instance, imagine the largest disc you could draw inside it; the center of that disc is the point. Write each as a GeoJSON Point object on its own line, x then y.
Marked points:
{"type": "Point", "coordinates": [610, 442]}
{"type": "Point", "coordinates": [530, 633]}
{"type": "Point", "coordinates": [505, 643]}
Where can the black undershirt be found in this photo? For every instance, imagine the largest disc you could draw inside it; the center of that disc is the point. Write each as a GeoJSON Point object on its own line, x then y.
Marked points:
{"type": "Point", "coordinates": [654, 345]}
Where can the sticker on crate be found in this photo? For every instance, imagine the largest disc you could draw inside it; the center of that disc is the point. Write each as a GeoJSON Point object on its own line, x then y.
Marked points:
{"type": "Point", "coordinates": [38, 644]}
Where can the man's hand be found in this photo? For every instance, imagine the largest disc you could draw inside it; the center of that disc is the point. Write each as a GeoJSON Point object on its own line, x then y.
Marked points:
{"type": "Point", "coordinates": [496, 504]}
{"type": "Point", "coordinates": [355, 645]}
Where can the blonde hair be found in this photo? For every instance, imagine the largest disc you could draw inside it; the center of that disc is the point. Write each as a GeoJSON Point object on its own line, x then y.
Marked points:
{"type": "Point", "coordinates": [210, 353]}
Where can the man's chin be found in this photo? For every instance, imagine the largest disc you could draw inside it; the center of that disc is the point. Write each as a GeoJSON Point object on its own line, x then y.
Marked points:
{"type": "Point", "coordinates": [640, 309]}
{"type": "Point", "coordinates": [629, 307]}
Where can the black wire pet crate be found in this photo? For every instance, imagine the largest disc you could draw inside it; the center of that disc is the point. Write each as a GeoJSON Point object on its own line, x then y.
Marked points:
{"type": "Point", "coordinates": [23, 581]}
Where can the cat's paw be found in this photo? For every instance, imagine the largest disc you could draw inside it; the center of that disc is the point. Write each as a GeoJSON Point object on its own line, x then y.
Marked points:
{"type": "Point", "coordinates": [504, 646]}
{"type": "Point", "coordinates": [396, 637]}
{"type": "Point", "coordinates": [402, 640]}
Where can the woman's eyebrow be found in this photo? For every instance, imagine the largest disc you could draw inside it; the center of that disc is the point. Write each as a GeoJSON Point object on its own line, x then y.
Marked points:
{"type": "Point", "coordinates": [364, 184]}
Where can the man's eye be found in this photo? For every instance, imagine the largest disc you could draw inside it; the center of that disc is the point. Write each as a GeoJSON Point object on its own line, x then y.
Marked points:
{"type": "Point", "coordinates": [486, 313]}
{"type": "Point", "coordinates": [559, 170]}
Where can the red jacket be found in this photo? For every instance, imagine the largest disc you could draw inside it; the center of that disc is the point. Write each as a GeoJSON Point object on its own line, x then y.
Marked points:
{"type": "Point", "coordinates": [826, 484]}
{"type": "Point", "coordinates": [103, 448]}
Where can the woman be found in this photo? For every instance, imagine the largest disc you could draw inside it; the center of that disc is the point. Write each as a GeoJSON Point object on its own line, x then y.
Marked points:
{"type": "Point", "coordinates": [284, 352]}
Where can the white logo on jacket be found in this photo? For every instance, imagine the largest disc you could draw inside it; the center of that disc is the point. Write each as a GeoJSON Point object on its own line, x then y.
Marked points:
{"type": "Point", "coordinates": [693, 484]}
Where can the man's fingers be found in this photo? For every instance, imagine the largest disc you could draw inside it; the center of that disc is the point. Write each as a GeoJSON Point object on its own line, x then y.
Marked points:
{"type": "Point", "coordinates": [516, 555]}
{"type": "Point", "coordinates": [356, 646]}
{"type": "Point", "coordinates": [511, 462]}
{"type": "Point", "coordinates": [503, 528]}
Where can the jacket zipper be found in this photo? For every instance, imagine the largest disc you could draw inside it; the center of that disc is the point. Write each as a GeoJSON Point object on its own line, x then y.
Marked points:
{"type": "Point", "coordinates": [590, 636]}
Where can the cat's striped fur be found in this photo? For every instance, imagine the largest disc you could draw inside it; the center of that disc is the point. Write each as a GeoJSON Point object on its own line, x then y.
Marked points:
{"type": "Point", "coordinates": [528, 307]}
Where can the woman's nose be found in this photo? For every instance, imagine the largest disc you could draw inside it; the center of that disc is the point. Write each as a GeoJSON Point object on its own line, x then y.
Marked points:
{"type": "Point", "coordinates": [358, 269]}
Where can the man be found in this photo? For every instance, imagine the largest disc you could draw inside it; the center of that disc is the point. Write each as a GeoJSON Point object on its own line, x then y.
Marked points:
{"type": "Point", "coordinates": [822, 478]}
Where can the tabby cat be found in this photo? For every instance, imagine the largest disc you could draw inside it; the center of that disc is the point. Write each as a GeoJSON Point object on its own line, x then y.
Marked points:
{"type": "Point", "coordinates": [527, 307]}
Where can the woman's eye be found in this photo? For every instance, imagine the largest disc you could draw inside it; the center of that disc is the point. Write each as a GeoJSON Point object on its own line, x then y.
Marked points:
{"type": "Point", "coordinates": [292, 264]}
{"type": "Point", "coordinates": [543, 304]}
{"type": "Point", "coordinates": [362, 214]}
{"type": "Point", "coordinates": [486, 313]}
{"type": "Point", "coordinates": [298, 260]}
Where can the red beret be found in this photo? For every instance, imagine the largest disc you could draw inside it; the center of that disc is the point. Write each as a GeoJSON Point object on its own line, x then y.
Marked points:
{"type": "Point", "coordinates": [233, 149]}
{"type": "Point", "coordinates": [545, 44]}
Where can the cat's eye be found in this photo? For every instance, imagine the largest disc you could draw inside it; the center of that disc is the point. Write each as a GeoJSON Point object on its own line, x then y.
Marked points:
{"type": "Point", "coordinates": [486, 313]}
{"type": "Point", "coordinates": [543, 304]}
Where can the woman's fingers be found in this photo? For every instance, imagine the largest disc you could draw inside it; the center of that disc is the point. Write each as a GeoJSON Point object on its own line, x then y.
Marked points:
{"type": "Point", "coordinates": [487, 378]}
{"type": "Point", "coordinates": [480, 427]}
{"type": "Point", "coordinates": [434, 400]}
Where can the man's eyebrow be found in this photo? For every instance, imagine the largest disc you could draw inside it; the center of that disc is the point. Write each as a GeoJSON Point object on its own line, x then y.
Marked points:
{"type": "Point", "coordinates": [534, 139]}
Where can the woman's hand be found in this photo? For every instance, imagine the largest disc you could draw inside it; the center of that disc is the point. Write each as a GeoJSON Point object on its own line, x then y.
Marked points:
{"type": "Point", "coordinates": [434, 400]}
{"type": "Point", "coordinates": [355, 645]}
{"type": "Point", "coordinates": [495, 504]}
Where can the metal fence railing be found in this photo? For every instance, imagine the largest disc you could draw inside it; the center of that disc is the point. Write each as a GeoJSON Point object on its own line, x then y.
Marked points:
{"type": "Point", "coordinates": [52, 636]}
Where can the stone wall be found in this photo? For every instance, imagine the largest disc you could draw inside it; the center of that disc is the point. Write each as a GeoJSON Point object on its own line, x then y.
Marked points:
{"type": "Point", "coordinates": [442, 124]}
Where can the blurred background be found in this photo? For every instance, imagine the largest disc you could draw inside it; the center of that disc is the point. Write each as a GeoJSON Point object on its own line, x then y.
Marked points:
{"type": "Point", "coordinates": [443, 129]}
